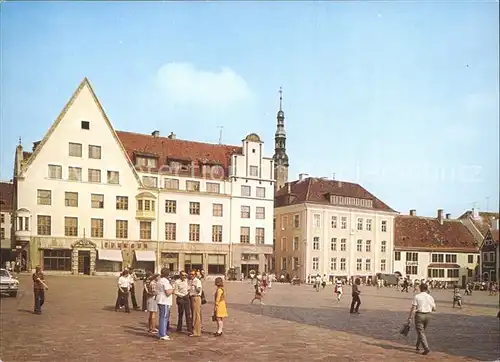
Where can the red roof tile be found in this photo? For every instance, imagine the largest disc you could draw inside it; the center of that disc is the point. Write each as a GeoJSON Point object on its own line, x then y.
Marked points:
{"type": "Point", "coordinates": [483, 221]}
{"type": "Point", "coordinates": [6, 196]}
{"type": "Point", "coordinates": [167, 149]}
{"type": "Point", "coordinates": [424, 233]}
{"type": "Point", "coordinates": [317, 190]}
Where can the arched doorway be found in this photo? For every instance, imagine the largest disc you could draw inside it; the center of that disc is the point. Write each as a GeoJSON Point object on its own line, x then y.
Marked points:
{"type": "Point", "coordinates": [83, 257]}
{"type": "Point", "coordinates": [486, 277]}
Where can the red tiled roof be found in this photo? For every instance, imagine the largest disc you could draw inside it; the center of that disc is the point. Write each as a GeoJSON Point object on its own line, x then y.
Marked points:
{"type": "Point", "coordinates": [167, 149]}
{"type": "Point", "coordinates": [483, 222]}
{"type": "Point", "coordinates": [317, 190]}
{"type": "Point", "coordinates": [6, 196]}
{"type": "Point", "coordinates": [495, 235]}
{"type": "Point", "coordinates": [26, 155]}
{"type": "Point", "coordinates": [444, 266]}
{"type": "Point", "coordinates": [414, 232]}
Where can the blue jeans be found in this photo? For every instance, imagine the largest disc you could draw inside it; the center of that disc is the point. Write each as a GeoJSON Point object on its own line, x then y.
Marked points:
{"type": "Point", "coordinates": [164, 316]}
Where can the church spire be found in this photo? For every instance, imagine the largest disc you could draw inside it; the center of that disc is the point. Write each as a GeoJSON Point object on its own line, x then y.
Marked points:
{"type": "Point", "coordinates": [280, 157]}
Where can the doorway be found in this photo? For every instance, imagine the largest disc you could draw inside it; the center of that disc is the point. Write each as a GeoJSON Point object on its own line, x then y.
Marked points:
{"type": "Point", "coordinates": [84, 262]}
{"type": "Point", "coordinates": [464, 281]}
{"type": "Point", "coordinates": [246, 268]}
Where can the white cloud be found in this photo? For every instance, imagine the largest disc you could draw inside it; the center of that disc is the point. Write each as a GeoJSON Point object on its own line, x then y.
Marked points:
{"type": "Point", "coordinates": [183, 84]}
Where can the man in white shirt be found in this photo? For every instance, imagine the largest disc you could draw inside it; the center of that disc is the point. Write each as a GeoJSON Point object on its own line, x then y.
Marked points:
{"type": "Point", "coordinates": [195, 294]}
{"type": "Point", "coordinates": [132, 278]}
{"type": "Point", "coordinates": [164, 299]}
{"type": "Point", "coordinates": [181, 291]}
{"type": "Point", "coordinates": [423, 305]}
{"type": "Point", "coordinates": [123, 289]}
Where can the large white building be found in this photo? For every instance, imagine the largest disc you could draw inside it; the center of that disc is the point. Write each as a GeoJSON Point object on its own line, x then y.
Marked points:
{"type": "Point", "coordinates": [331, 227]}
{"type": "Point", "coordinates": [91, 199]}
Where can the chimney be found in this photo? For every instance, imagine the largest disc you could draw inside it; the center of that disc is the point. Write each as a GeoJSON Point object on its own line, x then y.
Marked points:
{"type": "Point", "coordinates": [413, 212]}
{"type": "Point", "coordinates": [448, 216]}
{"type": "Point", "coordinates": [288, 188]}
{"type": "Point", "coordinates": [155, 134]}
{"type": "Point", "coordinates": [440, 216]}
{"type": "Point", "coordinates": [35, 145]}
{"type": "Point", "coordinates": [495, 224]}
{"type": "Point", "coordinates": [302, 176]}
{"type": "Point", "coordinates": [172, 136]}
{"type": "Point", "coordinates": [475, 213]}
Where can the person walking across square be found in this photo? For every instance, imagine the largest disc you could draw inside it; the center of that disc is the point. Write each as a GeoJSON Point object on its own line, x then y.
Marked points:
{"type": "Point", "coordinates": [356, 300]}
{"type": "Point", "coordinates": [423, 305]}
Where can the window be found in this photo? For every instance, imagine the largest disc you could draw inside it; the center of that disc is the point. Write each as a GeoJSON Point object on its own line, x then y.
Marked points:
{"type": "Point", "coordinates": [274, 223]}
{"type": "Point", "coordinates": [359, 264]}
{"type": "Point", "coordinates": [260, 213]}
{"type": "Point", "coordinates": [23, 223]}
{"type": "Point", "coordinates": [360, 224]}
{"type": "Point", "coordinates": [44, 197]}
{"type": "Point", "coordinates": [492, 256]}
{"type": "Point", "coordinates": [74, 173]}
{"type": "Point", "coordinates": [435, 273]}
{"type": "Point", "coordinates": [317, 220]}
{"type": "Point", "coordinates": [194, 208]}
{"type": "Point", "coordinates": [397, 256]}
{"type": "Point", "coordinates": [333, 244]}
{"type": "Point", "coordinates": [85, 125]}
{"type": "Point", "coordinates": [145, 205]}
{"type": "Point", "coordinates": [71, 199]}
{"type": "Point", "coordinates": [383, 246]}
{"type": "Point", "coordinates": [382, 265]}
{"type": "Point", "coordinates": [261, 192]}
{"type": "Point", "coordinates": [246, 191]}
{"type": "Point", "coordinates": [150, 181]}
{"type": "Point", "coordinates": [333, 264]}
{"type": "Point", "coordinates": [213, 187]}
{"type": "Point", "coordinates": [451, 258]}
{"type": "Point", "coordinates": [368, 265]}
{"type": "Point", "coordinates": [295, 245]}
{"type": "Point", "coordinates": [470, 259]}
{"type": "Point", "coordinates": [485, 257]}
{"type": "Point", "coordinates": [254, 171]}
{"type": "Point", "coordinates": [217, 233]}
{"type": "Point", "coordinates": [334, 222]}
{"type": "Point", "coordinates": [469, 273]}
{"type": "Point", "coordinates": [383, 226]}
{"type": "Point", "coordinates": [452, 273]}
{"type": "Point", "coordinates": [75, 149]}
{"type": "Point", "coordinates": [58, 259]}
{"type": "Point", "coordinates": [171, 184]}
{"type": "Point", "coordinates": [437, 258]}
{"type": "Point", "coordinates": [170, 206]}
{"type": "Point", "coordinates": [194, 232]}
{"type": "Point", "coordinates": [369, 224]}
{"type": "Point", "coordinates": [343, 244]}
{"type": "Point", "coordinates": [316, 243]}
{"type": "Point", "coordinates": [113, 177]}
{"type": "Point", "coordinates": [315, 264]}
{"type": "Point", "coordinates": [245, 212]}
{"type": "Point", "coordinates": [193, 185]}
{"type": "Point", "coordinates": [359, 245]}
{"type": "Point", "coordinates": [2, 218]}
{"type": "Point", "coordinates": [296, 221]}
{"type": "Point", "coordinates": [295, 263]}
{"type": "Point", "coordinates": [283, 243]}
{"type": "Point", "coordinates": [244, 235]}
{"type": "Point", "coordinates": [2, 233]}
{"type": "Point", "coordinates": [342, 264]}
{"type": "Point", "coordinates": [121, 229]}
{"type": "Point", "coordinates": [70, 226]}
{"type": "Point", "coordinates": [55, 172]}
{"type": "Point", "coordinates": [284, 222]}
{"type": "Point", "coordinates": [145, 230]}
{"type": "Point", "coordinates": [368, 246]}
{"type": "Point", "coordinates": [122, 202]}
{"type": "Point", "coordinates": [97, 228]}
{"type": "Point", "coordinates": [94, 175]}
{"type": "Point", "coordinates": [411, 256]}
{"type": "Point", "coordinates": [95, 152]}
{"type": "Point", "coordinates": [44, 225]}
{"type": "Point", "coordinates": [259, 235]}
{"type": "Point", "coordinates": [411, 269]}
{"type": "Point", "coordinates": [217, 210]}
{"type": "Point", "coordinates": [170, 231]}
{"type": "Point", "coordinates": [148, 162]}
{"type": "Point", "coordinates": [343, 222]}
{"type": "Point", "coordinates": [283, 263]}
{"type": "Point", "coordinates": [97, 201]}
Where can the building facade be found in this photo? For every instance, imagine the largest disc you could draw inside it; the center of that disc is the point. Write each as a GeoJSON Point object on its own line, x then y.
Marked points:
{"type": "Point", "coordinates": [331, 228]}
{"type": "Point", "coordinates": [490, 254]}
{"type": "Point", "coordinates": [439, 248]}
{"type": "Point", "coordinates": [6, 199]}
{"type": "Point", "coordinates": [89, 199]}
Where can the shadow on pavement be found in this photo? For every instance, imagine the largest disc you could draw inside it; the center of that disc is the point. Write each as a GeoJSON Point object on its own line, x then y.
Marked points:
{"type": "Point", "coordinates": [385, 325]}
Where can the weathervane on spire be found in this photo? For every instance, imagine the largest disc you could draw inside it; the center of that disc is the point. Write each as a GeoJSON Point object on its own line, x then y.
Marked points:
{"type": "Point", "coordinates": [281, 98]}
{"type": "Point", "coordinates": [20, 141]}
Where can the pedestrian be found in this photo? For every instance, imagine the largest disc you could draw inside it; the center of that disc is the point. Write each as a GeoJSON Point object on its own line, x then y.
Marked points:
{"type": "Point", "coordinates": [423, 305]}
{"type": "Point", "coordinates": [132, 279]}
{"type": "Point", "coordinates": [195, 292]}
{"type": "Point", "coordinates": [152, 304]}
{"type": "Point", "coordinates": [356, 300]}
{"type": "Point", "coordinates": [258, 291]}
{"type": "Point", "coordinates": [183, 301]}
{"type": "Point", "coordinates": [338, 289]}
{"type": "Point", "coordinates": [145, 282]}
{"type": "Point", "coordinates": [123, 290]}
{"type": "Point", "coordinates": [164, 299]}
{"type": "Point", "coordinates": [220, 309]}
{"type": "Point", "coordinates": [39, 287]}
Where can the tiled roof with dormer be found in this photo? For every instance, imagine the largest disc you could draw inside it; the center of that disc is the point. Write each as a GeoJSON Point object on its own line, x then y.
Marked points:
{"type": "Point", "coordinates": [483, 220]}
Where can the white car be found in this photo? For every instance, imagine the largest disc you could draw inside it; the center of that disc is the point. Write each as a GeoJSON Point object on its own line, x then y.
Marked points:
{"type": "Point", "coordinates": [8, 284]}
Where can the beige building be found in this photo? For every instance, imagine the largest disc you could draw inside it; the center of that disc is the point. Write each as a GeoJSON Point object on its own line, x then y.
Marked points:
{"type": "Point", "coordinates": [332, 228]}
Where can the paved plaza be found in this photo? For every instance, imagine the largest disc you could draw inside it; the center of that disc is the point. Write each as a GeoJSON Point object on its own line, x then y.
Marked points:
{"type": "Point", "coordinates": [296, 324]}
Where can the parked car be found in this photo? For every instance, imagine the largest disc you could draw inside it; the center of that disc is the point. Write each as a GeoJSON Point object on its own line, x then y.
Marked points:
{"type": "Point", "coordinates": [8, 284]}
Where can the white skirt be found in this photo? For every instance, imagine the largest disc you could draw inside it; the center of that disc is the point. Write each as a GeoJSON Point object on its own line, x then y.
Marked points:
{"type": "Point", "coordinates": [152, 304]}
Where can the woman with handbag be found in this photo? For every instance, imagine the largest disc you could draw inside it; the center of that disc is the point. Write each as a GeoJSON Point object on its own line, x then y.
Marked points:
{"type": "Point", "coordinates": [220, 310]}
{"type": "Point", "coordinates": [152, 304]}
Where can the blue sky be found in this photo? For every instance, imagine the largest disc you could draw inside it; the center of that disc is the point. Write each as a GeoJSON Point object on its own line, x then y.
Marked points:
{"type": "Point", "coordinates": [401, 97]}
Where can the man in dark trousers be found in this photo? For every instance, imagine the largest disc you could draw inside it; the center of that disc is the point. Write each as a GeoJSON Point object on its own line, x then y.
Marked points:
{"type": "Point", "coordinates": [406, 284]}
{"type": "Point", "coordinates": [39, 287]}
{"type": "Point", "coordinates": [181, 291]}
{"type": "Point", "coordinates": [356, 301]}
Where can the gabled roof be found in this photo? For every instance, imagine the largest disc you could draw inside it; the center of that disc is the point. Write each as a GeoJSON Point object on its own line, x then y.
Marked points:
{"type": "Point", "coordinates": [317, 190]}
{"type": "Point", "coordinates": [483, 221]}
{"type": "Point", "coordinates": [493, 235]}
{"type": "Point", "coordinates": [85, 83]}
{"type": "Point", "coordinates": [168, 149]}
{"type": "Point", "coordinates": [6, 196]}
{"type": "Point", "coordinates": [425, 233]}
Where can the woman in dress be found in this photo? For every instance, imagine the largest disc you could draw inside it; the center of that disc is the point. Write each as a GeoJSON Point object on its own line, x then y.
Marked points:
{"type": "Point", "coordinates": [220, 310]}
{"type": "Point", "coordinates": [152, 305]}
{"type": "Point", "coordinates": [258, 290]}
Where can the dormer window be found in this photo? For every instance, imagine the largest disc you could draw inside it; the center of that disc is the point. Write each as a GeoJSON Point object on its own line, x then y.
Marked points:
{"type": "Point", "coordinates": [149, 162]}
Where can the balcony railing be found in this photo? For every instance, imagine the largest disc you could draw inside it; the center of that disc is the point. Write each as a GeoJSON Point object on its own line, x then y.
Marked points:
{"type": "Point", "coordinates": [145, 215]}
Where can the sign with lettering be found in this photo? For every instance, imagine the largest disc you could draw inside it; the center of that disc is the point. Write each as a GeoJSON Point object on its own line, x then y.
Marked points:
{"type": "Point", "coordinates": [412, 263]}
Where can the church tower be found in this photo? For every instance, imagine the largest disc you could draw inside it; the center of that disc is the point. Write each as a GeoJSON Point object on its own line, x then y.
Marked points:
{"type": "Point", "coordinates": [280, 157]}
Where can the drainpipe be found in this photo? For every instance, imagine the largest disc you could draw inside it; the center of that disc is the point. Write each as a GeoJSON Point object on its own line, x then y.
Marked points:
{"type": "Point", "coordinates": [231, 227]}
{"type": "Point", "coordinates": [158, 232]}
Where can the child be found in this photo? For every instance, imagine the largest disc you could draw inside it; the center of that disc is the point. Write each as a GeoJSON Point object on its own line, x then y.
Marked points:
{"type": "Point", "coordinates": [220, 310]}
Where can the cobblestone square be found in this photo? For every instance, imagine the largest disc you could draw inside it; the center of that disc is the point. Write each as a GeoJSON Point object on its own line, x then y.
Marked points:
{"type": "Point", "coordinates": [295, 324]}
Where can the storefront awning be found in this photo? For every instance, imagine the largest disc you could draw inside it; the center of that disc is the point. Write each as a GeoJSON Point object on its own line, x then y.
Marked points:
{"type": "Point", "coordinates": [110, 255]}
{"type": "Point", "coordinates": [145, 255]}
{"type": "Point", "coordinates": [443, 266]}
